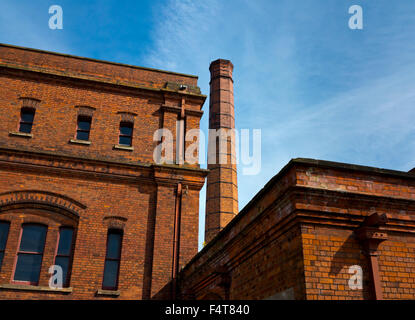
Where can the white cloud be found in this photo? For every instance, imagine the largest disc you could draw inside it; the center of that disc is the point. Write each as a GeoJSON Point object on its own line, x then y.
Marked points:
{"type": "Point", "coordinates": [315, 88]}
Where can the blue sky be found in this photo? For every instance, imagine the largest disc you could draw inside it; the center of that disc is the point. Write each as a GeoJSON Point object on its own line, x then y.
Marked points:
{"type": "Point", "coordinates": [314, 87]}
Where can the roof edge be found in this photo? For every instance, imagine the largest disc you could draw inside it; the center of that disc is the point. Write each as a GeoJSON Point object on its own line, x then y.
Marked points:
{"type": "Point", "coordinates": [275, 178]}
{"type": "Point", "coordinates": [97, 60]}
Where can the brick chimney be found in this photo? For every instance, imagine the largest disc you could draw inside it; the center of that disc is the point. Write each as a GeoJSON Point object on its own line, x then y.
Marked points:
{"type": "Point", "coordinates": [222, 187]}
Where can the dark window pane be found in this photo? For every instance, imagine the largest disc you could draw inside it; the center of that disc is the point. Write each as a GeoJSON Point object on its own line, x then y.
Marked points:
{"type": "Point", "coordinates": [28, 267]}
{"type": "Point", "coordinates": [1, 258]}
{"type": "Point", "coordinates": [114, 246]}
{"type": "Point", "coordinates": [25, 127]}
{"type": "Point", "coordinates": [126, 130]}
{"type": "Point", "coordinates": [82, 135]}
{"type": "Point", "coordinates": [125, 141]}
{"type": "Point", "coordinates": [110, 274]}
{"type": "Point", "coordinates": [64, 263]}
{"type": "Point", "coordinates": [4, 231]}
{"type": "Point", "coordinates": [33, 238]}
{"type": "Point", "coordinates": [27, 116]}
{"type": "Point", "coordinates": [84, 125]}
{"type": "Point", "coordinates": [65, 241]}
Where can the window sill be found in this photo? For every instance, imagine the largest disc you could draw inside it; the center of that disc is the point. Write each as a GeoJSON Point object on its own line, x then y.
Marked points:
{"type": "Point", "coordinates": [21, 134]}
{"type": "Point", "coordinates": [109, 293]}
{"type": "Point", "coordinates": [85, 142]}
{"type": "Point", "coordinates": [23, 287]}
{"type": "Point", "coordinates": [121, 147]}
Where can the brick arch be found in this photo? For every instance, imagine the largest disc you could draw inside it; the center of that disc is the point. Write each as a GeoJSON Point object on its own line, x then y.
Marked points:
{"type": "Point", "coordinates": [41, 199]}
{"type": "Point", "coordinates": [115, 222]}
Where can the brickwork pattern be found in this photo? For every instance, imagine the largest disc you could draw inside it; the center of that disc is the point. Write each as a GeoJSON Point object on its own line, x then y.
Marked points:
{"type": "Point", "coordinates": [48, 178]}
{"type": "Point", "coordinates": [222, 185]}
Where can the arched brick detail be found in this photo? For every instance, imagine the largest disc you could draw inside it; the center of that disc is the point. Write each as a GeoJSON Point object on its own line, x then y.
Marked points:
{"type": "Point", "coordinates": [115, 222]}
{"type": "Point", "coordinates": [29, 102]}
{"type": "Point", "coordinates": [127, 116]}
{"type": "Point", "coordinates": [85, 111]}
{"type": "Point", "coordinates": [41, 199]}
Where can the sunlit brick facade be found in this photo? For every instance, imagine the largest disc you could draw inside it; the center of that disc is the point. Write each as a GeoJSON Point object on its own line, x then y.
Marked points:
{"type": "Point", "coordinates": [304, 233]}
{"type": "Point", "coordinates": [72, 169]}
{"type": "Point", "coordinates": [79, 187]}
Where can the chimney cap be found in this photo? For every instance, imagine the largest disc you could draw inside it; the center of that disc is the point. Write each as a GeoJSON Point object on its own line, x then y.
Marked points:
{"type": "Point", "coordinates": [221, 62]}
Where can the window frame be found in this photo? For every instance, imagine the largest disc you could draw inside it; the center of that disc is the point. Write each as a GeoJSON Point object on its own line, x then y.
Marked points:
{"type": "Point", "coordinates": [65, 282]}
{"type": "Point", "coordinates": [21, 121]}
{"type": "Point", "coordinates": [78, 119]}
{"type": "Point", "coordinates": [121, 233]}
{"type": "Point", "coordinates": [129, 124]}
{"type": "Point", "coordinates": [5, 244]}
{"type": "Point", "coordinates": [28, 252]}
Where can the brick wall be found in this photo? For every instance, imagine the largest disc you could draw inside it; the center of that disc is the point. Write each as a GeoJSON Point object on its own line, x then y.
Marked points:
{"type": "Point", "coordinates": [46, 178]}
{"type": "Point", "coordinates": [298, 238]}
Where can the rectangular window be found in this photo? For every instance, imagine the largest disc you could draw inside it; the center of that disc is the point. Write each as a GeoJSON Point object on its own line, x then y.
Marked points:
{"type": "Point", "coordinates": [26, 119]}
{"type": "Point", "coordinates": [126, 133]}
{"type": "Point", "coordinates": [64, 253]}
{"type": "Point", "coordinates": [4, 233]}
{"type": "Point", "coordinates": [84, 127]}
{"type": "Point", "coordinates": [112, 260]}
{"type": "Point", "coordinates": [30, 254]}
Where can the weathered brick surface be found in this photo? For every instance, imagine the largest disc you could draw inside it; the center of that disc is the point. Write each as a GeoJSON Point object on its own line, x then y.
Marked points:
{"type": "Point", "coordinates": [95, 187]}
{"type": "Point", "coordinates": [299, 232]}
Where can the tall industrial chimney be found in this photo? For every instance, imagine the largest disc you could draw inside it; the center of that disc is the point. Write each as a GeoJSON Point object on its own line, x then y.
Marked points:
{"type": "Point", "coordinates": [222, 187]}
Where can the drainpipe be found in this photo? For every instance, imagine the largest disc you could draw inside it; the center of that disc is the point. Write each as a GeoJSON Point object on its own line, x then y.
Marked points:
{"type": "Point", "coordinates": [370, 237]}
{"type": "Point", "coordinates": [176, 242]}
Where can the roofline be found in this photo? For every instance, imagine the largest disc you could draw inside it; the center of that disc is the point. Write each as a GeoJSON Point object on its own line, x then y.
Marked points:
{"type": "Point", "coordinates": [288, 166]}
{"type": "Point", "coordinates": [98, 60]}
{"type": "Point", "coordinates": [92, 78]}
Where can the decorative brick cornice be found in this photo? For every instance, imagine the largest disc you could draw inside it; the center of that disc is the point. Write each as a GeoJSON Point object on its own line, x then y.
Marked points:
{"type": "Point", "coordinates": [12, 68]}
{"type": "Point", "coordinates": [284, 219]}
{"type": "Point", "coordinates": [87, 168]}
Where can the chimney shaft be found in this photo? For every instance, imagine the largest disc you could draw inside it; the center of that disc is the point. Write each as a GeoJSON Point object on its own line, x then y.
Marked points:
{"type": "Point", "coordinates": [222, 187]}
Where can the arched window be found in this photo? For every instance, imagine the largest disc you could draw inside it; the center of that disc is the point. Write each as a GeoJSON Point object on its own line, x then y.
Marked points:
{"type": "Point", "coordinates": [30, 253]}
{"type": "Point", "coordinates": [112, 259]}
{"type": "Point", "coordinates": [4, 232]}
{"type": "Point", "coordinates": [64, 252]}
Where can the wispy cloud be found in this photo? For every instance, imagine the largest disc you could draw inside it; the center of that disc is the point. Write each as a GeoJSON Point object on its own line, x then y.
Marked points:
{"type": "Point", "coordinates": [314, 87]}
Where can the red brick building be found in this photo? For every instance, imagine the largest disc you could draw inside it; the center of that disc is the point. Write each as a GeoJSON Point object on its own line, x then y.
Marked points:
{"type": "Point", "coordinates": [301, 234]}
{"type": "Point", "coordinates": [317, 230]}
{"type": "Point", "coordinates": [77, 175]}
{"type": "Point", "coordinates": [79, 188]}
